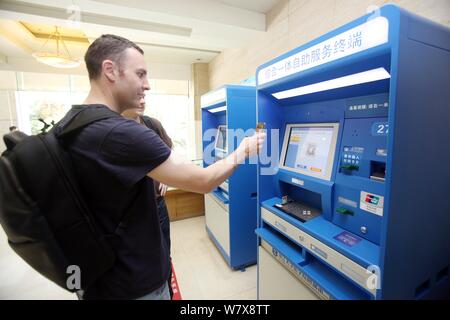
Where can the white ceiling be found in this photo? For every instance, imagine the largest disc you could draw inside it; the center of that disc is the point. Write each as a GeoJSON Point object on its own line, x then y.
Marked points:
{"type": "Point", "coordinates": [169, 31]}
{"type": "Point", "coordinates": [261, 6]}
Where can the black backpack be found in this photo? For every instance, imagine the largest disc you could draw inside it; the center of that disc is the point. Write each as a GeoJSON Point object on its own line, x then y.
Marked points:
{"type": "Point", "coordinates": [42, 211]}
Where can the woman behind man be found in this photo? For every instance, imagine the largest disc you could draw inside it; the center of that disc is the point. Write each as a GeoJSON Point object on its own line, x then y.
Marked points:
{"type": "Point", "coordinates": [137, 114]}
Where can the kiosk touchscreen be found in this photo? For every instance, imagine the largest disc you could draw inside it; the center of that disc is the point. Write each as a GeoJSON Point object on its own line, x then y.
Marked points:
{"type": "Point", "coordinates": [221, 139]}
{"type": "Point", "coordinates": [309, 149]}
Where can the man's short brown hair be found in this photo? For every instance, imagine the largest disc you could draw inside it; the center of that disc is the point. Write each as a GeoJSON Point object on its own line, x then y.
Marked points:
{"type": "Point", "coordinates": [106, 47]}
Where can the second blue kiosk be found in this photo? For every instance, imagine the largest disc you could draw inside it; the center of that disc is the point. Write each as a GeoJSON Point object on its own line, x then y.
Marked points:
{"type": "Point", "coordinates": [230, 210]}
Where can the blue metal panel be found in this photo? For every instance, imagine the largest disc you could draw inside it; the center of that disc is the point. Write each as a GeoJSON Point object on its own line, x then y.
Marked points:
{"type": "Point", "coordinates": [242, 184]}
{"type": "Point", "coordinates": [415, 238]}
{"type": "Point", "coordinates": [360, 134]}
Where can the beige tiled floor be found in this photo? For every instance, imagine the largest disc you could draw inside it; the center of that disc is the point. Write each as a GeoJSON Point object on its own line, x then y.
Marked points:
{"type": "Point", "coordinates": [201, 271]}
{"type": "Point", "coordinates": [20, 281]}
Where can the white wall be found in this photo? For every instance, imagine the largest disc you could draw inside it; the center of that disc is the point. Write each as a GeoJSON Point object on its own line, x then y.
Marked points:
{"type": "Point", "coordinates": [292, 23]}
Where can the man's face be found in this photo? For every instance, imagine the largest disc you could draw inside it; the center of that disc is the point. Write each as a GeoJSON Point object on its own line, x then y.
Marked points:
{"type": "Point", "coordinates": [131, 83]}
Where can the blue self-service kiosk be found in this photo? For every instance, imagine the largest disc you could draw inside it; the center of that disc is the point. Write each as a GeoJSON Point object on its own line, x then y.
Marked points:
{"type": "Point", "coordinates": [228, 115]}
{"type": "Point", "coordinates": [353, 184]}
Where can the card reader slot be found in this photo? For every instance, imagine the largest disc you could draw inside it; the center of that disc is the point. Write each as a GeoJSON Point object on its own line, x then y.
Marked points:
{"type": "Point", "coordinates": [378, 171]}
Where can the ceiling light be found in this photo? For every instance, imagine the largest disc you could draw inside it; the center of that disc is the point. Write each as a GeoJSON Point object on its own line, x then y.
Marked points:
{"type": "Point", "coordinates": [218, 109]}
{"type": "Point", "coordinates": [350, 80]}
{"type": "Point", "coordinates": [58, 59]}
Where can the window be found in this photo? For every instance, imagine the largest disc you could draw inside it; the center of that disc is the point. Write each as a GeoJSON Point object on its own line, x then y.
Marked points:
{"type": "Point", "coordinates": [39, 110]}
{"type": "Point", "coordinates": [174, 113]}
{"type": "Point", "coordinates": [43, 99]}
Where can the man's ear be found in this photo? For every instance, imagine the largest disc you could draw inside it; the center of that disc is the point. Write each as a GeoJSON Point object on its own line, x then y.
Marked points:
{"type": "Point", "coordinates": [109, 70]}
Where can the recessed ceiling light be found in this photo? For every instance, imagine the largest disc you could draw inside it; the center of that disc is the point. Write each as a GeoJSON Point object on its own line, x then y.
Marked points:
{"type": "Point", "coordinates": [350, 80]}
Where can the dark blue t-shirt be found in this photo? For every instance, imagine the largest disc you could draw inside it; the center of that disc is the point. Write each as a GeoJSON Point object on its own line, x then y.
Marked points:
{"type": "Point", "coordinates": [111, 158]}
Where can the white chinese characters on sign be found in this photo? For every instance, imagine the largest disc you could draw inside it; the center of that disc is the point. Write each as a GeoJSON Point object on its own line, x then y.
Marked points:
{"type": "Point", "coordinates": [372, 33]}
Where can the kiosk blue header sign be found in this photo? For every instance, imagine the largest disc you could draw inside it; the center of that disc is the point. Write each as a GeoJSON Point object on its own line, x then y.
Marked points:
{"type": "Point", "coordinates": [370, 34]}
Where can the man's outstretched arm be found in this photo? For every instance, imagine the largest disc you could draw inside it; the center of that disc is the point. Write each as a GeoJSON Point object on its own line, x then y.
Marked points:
{"type": "Point", "coordinates": [178, 173]}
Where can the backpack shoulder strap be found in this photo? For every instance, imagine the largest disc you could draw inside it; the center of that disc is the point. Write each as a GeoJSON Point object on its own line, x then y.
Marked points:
{"type": "Point", "coordinates": [83, 116]}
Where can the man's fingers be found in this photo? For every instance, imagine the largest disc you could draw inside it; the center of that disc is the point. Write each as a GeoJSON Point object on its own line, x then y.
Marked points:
{"type": "Point", "coordinates": [261, 136]}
